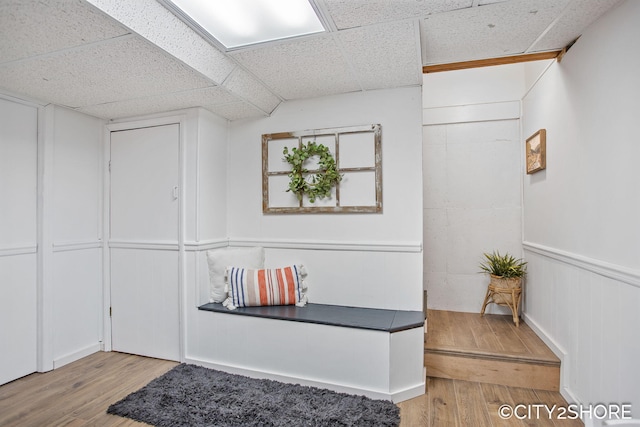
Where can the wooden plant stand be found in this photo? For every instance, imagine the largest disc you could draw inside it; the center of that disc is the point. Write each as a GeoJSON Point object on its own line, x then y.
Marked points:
{"type": "Point", "coordinates": [499, 294]}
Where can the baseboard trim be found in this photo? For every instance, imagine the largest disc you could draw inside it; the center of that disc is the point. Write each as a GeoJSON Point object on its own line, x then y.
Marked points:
{"type": "Point", "coordinates": [395, 397]}
{"type": "Point", "coordinates": [565, 363]}
{"type": "Point", "coordinates": [411, 392]}
{"type": "Point", "coordinates": [76, 355]}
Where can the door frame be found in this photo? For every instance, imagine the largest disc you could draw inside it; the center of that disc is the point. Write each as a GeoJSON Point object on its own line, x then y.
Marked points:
{"type": "Point", "coordinates": [116, 126]}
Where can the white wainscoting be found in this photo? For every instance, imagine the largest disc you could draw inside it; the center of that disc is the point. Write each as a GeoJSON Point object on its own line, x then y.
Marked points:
{"type": "Point", "coordinates": [348, 360]}
{"type": "Point", "coordinates": [19, 293]}
{"type": "Point", "coordinates": [365, 277]}
{"type": "Point", "coordinates": [76, 305]}
{"type": "Point", "coordinates": [588, 312]}
{"type": "Point", "coordinates": [18, 315]}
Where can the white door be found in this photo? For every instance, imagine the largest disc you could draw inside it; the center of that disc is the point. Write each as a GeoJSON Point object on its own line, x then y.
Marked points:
{"type": "Point", "coordinates": [145, 307]}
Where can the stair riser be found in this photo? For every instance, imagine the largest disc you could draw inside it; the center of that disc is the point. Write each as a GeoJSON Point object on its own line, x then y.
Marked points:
{"type": "Point", "coordinates": [508, 373]}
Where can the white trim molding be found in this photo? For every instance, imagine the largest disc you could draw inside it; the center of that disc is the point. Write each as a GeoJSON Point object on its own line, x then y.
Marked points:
{"type": "Point", "coordinates": [414, 247]}
{"type": "Point", "coordinates": [509, 110]}
{"type": "Point", "coordinates": [558, 350]}
{"type": "Point", "coordinates": [76, 355]}
{"type": "Point", "coordinates": [76, 246]}
{"type": "Point", "coordinates": [147, 244]}
{"type": "Point", "coordinates": [206, 245]}
{"type": "Point", "coordinates": [18, 250]}
{"type": "Point", "coordinates": [602, 268]}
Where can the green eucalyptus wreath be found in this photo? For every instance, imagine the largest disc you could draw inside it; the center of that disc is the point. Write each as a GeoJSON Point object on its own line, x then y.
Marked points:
{"type": "Point", "coordinates": [317, 185]}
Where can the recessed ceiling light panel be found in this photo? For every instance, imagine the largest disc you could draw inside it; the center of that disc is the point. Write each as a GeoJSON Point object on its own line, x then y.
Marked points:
{"type": "Point", "coordinates": [237, 23]}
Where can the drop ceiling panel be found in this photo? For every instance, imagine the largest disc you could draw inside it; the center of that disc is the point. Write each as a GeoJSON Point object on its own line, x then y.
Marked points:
{"type": "Point", "coordinates": [305, 68]}
{"type": "Point", "coordinates": [385, 55]}
{"type": "Point", "coordinates": [116, 70]}
{"type": "Point", "coordinates": [165, 102]}
{"type": "Point", "coordinates": [358, 13]}
{"type": "Point", "coordinates": [490, 31]}
{"type": "Point", "coordinates": [576, 18]}
{"type": "Point", "coordinates": [29, 28]}
{"type": "Point", "coordinates": [236, 111]}
{"type": "Point", "coordinates": [246, 86]}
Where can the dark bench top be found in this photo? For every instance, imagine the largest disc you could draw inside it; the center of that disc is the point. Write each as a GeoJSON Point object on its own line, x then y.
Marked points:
{"type": "Point", "coordinates": [333, 315]}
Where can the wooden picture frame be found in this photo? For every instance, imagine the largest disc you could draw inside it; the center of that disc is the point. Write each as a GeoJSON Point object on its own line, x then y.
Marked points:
{"type": "Point", "coordinates": [536, 151]}
{"type": "Point", "coordinates": [358, 154]}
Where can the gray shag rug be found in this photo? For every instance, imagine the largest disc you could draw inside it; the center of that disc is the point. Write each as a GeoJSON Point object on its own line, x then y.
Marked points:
{"type": "Point", "coordinates": [190, 395]}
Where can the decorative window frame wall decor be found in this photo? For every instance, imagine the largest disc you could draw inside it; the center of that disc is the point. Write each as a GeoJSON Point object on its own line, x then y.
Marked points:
{"type": "Point", "coordinates": [357, 152]}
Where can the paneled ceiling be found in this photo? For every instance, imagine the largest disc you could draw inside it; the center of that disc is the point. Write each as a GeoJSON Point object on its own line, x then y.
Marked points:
{"type": "Point", "coordinates": [114, 58]}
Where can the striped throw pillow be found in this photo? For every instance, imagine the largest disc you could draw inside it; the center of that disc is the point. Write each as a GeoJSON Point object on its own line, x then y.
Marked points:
{"type": "Point", "coordinates": [278, 286]}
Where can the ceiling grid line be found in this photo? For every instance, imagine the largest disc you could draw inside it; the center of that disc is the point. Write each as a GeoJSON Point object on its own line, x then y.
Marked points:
{"type": "Point", "coordinates": [69, 49]}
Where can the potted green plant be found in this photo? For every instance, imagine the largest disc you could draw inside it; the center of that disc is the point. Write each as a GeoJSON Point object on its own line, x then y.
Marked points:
{"type": "Point", "coordinates": [503, 266]}
{"type": "Point", "coordinates": [506, 274]}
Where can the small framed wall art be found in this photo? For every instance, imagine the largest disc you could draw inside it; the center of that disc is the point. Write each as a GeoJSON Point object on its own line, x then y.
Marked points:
{"type": "Point", "coordinates": [536, 151]}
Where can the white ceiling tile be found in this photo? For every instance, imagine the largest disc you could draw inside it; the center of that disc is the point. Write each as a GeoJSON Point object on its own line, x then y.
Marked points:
{"type": "Point", "coordinates": [29, 28]}
{"type": "Point", "coordinates": [304, 68]}
{"type": "Point", "coordinates": [236, 111]}
{"type": "Point", "coordinates": [489, 31]}
{"type": "Point", "coordinates": [246, 86]}
{"type": "Point", "coordinates": [571, 24]}
{"type": "Point", "coordinates": [116, 70]}
{"type": "Point", "coordinates": [151, 20]}
{"type": "Point", "coordinates": [385, 55]}
{"type": "Point", "coordinates": [165, 102]}
{"type": "Point", "coordinates": [358, 13]}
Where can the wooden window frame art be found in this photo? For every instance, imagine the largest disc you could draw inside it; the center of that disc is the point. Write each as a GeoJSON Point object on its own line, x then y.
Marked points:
{"type": "Point", "coordinates": [310, 135]}
{"type": "Point", "coordinates": [536, 152]}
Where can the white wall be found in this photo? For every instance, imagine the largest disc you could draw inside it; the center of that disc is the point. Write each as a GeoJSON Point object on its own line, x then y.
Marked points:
{"type": "Point", "coordinates": [472, 180]}
{"type": "Point", "coordinates": [72, 234]}
{"type": "Point", "coordinates": [371, 260]}
{"type": "Point", "coordinates": [205, 177]}
{"type": "Point", "coordinates": [18, 239]}
{"type": "Point", "coordinates": [50, 244]}
{"type": "Point", "coordinates": [582, 238]}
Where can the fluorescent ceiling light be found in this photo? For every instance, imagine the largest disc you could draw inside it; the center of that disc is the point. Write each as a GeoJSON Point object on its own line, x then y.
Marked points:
{"type": "Point", "coordinates": [236, 23]}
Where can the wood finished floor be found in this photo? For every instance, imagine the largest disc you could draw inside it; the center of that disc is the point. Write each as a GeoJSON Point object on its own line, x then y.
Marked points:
{"type": "Point", "coordinates": [491, 334]}
{"type": "Point", "coordinates": [78, 394]}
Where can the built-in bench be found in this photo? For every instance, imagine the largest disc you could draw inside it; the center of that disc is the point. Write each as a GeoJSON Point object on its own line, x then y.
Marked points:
{"type": "Point", "coordinates": [374, 352]}
{"type": "Point", "coordinates": [332, 315]}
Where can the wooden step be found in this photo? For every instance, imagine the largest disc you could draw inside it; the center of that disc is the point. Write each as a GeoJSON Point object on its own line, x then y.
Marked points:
{"type": "Point", "coordinates": [488, 349]}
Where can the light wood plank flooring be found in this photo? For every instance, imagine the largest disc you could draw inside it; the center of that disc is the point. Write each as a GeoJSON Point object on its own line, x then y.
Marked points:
{"type": "Point", "coordinates": [488, 349]}
{"type": "Point", "coordinates": [457, 403]}
{"type": "Point", "coordinates": [460, 346]}
{"type": "Point", "coordinates": [490, 334]}
{"type": "Point", "coordinates": [78, 394]}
